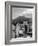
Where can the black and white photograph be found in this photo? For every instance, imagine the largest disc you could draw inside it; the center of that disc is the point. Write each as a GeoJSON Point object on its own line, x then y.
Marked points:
{"type": "Point", "coordinates": [20, 22]}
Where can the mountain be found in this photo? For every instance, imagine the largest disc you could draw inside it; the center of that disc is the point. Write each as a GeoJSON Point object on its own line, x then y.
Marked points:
{"type": "Point", "coordinates": [21, 19]}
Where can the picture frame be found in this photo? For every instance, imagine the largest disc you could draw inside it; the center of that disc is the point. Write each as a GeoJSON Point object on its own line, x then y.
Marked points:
{"type": "Point", "coordinates": [8, 20]}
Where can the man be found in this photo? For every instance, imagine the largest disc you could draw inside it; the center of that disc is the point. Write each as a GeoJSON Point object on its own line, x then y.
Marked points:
{"type": "Point", "coordinates": [17, 29]}
{"type": "Point", "coordinates": [13, 31]}
{"type": "Point", "coordinates": [26, 27]}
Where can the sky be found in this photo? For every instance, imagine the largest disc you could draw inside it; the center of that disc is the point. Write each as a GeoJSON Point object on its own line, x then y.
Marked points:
{"type": "Point", "coordinates": [27, 12]}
